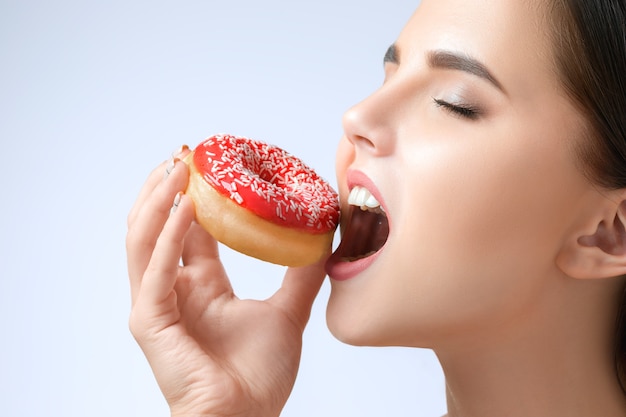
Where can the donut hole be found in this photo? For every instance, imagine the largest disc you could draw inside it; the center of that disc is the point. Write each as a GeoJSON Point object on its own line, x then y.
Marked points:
{"type": "Point", "coordinates": [269, 182]}
{"type": "Point", "coordinates": [263, 167]}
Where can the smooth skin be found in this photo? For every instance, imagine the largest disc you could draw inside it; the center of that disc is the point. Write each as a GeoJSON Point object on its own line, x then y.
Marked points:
{"type": "Point", "coordinates": [212, 354]}
{"type": "Point", "coordinates": [500, 255]}
{"type": "Point", "coordinates": [499, 244]}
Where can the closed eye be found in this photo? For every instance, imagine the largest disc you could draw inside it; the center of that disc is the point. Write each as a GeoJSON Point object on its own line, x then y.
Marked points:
{"type": "Point", "coordinates": [462, 110]}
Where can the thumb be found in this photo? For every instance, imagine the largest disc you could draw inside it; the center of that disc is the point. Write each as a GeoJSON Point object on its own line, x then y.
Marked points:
{"type": "Point", "coordinates": [298, 291]}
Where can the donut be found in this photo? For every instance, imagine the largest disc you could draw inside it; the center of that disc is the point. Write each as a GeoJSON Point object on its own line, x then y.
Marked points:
{"type": "Point", "coordinates": [262, 201]}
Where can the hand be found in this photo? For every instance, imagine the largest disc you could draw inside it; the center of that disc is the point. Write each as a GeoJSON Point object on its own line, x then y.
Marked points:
{"type": "Point", "coordinates": [211, 353]}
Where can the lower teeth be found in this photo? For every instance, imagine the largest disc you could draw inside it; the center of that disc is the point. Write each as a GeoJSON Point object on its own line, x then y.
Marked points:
{"type": "Point", "coordinates": [356, 258]}
{"type": "Point", "coordinates": [377, 210]}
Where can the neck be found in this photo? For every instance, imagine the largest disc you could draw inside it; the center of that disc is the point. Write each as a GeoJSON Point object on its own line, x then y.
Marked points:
{"type": "Point", "coordinates": [554, 360]}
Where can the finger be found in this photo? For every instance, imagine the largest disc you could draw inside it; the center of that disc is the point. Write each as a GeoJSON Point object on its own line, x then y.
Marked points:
{"type": "Point", "coordinates": [155, 177]}
{"type": "Point", "coordinates": [162, 270]}
{"type": "Point", "coordinates": [298, 291]}
{"type": "Point", "coordinates": [145, 229]}
{"type": "Point", "coordinates": [201, 258]}
{"type": "Point", "coordinates": [200, 245]}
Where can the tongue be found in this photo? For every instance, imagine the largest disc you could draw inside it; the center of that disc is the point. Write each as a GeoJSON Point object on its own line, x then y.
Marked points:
{"type": "Point", "coordinates": [366, 232]}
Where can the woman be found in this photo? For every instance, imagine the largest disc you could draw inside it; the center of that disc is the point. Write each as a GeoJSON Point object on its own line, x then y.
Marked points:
{"type": "Point", "coordinates": [496, 147]}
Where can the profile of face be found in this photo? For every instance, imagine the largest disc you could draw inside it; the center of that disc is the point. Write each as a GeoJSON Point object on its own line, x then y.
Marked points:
{"type": "Point", "coordinates": [468, 146]}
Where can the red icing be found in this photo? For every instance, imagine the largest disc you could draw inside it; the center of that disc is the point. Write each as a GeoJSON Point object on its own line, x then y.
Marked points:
{"type": "Point", "coordinates": [269, 182]}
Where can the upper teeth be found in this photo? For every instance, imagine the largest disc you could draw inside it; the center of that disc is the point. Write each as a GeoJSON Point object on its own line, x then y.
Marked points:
{"type": "Point", "coordinates": [361, 197]}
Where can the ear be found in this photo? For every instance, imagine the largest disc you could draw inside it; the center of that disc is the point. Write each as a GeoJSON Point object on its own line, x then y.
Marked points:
{"type": "Point", "coordinates": [601, 254]}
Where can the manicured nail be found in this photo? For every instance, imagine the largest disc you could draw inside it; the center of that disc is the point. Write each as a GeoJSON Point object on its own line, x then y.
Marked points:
{"type": "Point", "coordinates": [170, 167]}
{"type": "Point", "coordinates": [176, 203]}
{"type": "Point", "coordinates": [178, 152]}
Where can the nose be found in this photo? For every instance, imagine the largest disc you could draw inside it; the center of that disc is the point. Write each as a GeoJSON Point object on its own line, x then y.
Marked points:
{"type": "Point", "coordinates": [370, 126]}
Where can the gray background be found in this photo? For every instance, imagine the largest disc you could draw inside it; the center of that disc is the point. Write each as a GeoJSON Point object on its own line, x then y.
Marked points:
{"type": "Point", "coordinates": [93, 95]}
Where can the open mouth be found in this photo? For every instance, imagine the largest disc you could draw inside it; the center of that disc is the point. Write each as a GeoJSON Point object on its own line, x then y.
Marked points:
{"type": "Point", "coordinates": [366, 227]}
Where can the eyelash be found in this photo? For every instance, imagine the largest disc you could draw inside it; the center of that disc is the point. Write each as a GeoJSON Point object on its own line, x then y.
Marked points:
{"type": "Point", "coordinates": [464, 111]}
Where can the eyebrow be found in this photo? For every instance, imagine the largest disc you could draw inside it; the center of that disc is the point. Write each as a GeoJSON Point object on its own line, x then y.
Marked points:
{"type": "Point", "coordinates": [454, 61]}
{"type": "Point", "coordinates": [449, 60]}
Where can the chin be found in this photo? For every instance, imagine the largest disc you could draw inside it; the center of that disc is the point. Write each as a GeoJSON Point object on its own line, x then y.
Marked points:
{"type": "Point", "coordinates": [358, 317]}
{"type": "Point", "coordinates": [369, 334]}
{"type": "Point", "coordinates": [344, 321]}
{"type": "Point", "coordinates": [351, 335]}
{"type": "Point", "coordinates": [356, 325]}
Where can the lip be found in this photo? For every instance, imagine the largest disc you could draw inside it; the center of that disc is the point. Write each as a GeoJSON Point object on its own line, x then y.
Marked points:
{"type": "Point", "coordinates": [338, 269]}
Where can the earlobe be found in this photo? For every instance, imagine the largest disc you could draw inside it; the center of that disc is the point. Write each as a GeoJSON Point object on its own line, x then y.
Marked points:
{"type": "Point", "coordinates": [601, 254]}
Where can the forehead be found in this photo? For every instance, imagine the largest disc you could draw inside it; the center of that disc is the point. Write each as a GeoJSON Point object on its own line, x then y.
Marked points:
{"type": "Point", "coordinates": [512, 37]}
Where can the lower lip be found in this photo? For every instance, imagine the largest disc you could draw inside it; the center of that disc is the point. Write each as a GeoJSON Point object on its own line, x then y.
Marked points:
{"type": "Point", "coordinates": [339, 270]}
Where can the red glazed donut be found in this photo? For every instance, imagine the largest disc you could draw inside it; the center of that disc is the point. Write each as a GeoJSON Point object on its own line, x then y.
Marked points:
{"type": "Point", "coordinates": [262, 201]}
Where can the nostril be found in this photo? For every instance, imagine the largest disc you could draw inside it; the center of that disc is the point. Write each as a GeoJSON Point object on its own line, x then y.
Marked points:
{"type": "Point", "coordinates": [357, 129]}
{"type": "Point", "coordinates": [363, 141]}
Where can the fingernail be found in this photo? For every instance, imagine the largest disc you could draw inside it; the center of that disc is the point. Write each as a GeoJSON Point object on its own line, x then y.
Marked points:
{"type": "Point", "coordinates": [178, 152]}
{"type": "Point", "coordinates": [176, 203]}
{"type": "Point", "coordinates": [170, 167]}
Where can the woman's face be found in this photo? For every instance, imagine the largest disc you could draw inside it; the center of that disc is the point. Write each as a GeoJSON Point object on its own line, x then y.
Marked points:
{"type": "Point", "coordinates": [468, 147]}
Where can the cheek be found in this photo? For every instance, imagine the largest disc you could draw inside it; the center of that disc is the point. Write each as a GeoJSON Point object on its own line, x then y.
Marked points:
{"type": "Point", "coordinates": [485, 217]}
{"type": "Point", "coordinates": [486, 199]}
{"type": "Point", "coordinates": [480, 229]}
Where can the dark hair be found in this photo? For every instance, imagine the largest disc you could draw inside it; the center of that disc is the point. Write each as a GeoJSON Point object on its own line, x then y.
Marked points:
{"type": "Point", "coordinates": [589, 38]}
